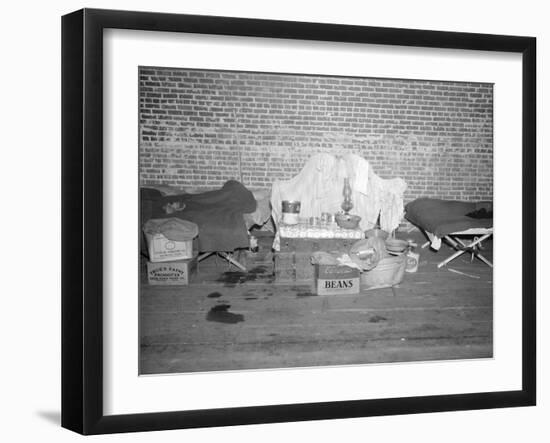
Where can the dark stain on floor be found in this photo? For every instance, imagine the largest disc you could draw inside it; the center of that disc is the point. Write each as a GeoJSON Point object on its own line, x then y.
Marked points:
{"type": "Point", "coordinates": [221, 314]}
{"type": "Point", "coordinates": [251, 298]}
{"type": "Point", "coordinates": [233, 278]}
{"type": "Point", "coordinates": [214, 295]}
{"type": "Point", "coordinates": [377, 319]}
{"type": "Point", "coordinates": [305, 294]}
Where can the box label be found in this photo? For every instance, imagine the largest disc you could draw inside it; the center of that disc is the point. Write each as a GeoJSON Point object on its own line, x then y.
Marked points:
{"type": "Point", "coordinates": [163, 249]}
{"type": "Point", "coordinates": [174, 273]}
{"type": "Point", "coordinates": [336, 272]}
{"type": "Point", "coordinates": [337, 286]}
{"type": "Point", "coordinates": [167, 273]}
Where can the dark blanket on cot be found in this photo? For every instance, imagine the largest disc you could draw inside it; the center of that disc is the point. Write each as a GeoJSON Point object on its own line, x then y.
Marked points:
{"type": "Point", "coordinates": [218, 214]}
{"type": "Point", "coordinates": [443, 217]}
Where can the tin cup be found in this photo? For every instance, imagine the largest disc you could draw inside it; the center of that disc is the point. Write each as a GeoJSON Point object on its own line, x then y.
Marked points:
{"type": "Point", "coordinates": [314, 221]}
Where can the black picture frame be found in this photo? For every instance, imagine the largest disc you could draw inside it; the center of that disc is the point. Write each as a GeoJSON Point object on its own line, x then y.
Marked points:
{"type": "Point", "coordinates": [82, 215]}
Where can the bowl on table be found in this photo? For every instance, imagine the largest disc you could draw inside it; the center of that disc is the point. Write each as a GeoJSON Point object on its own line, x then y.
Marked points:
{"type": "Point", "coordinates": [347, 221]}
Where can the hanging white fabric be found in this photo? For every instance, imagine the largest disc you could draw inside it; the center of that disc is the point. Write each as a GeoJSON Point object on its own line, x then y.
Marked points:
{"type": "Point", "coordinates": [319, 185]}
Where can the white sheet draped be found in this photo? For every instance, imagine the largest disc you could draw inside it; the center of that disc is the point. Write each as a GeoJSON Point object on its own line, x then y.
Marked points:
{"type": "Point", "coordinates": [319, 188]}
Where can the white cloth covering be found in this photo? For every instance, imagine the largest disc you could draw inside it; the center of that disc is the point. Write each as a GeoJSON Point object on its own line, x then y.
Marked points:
{"type": "Point", "coordinates": [319, 188]}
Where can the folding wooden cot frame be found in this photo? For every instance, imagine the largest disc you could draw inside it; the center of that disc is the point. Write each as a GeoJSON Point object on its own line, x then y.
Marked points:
{"type": "Point", "coordinates": [473, 247]}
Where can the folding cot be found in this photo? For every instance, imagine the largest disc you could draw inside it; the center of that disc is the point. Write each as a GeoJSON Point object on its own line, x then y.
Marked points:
{"type": "Point", "coordinates": [450, 220]}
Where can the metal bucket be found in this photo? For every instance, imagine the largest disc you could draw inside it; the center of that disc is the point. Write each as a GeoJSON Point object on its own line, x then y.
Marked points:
{"type": "Point", "coordinates": [291, 206]}
{"type": "Point", "coordinates": [291, 209]}
{"type": "Point", "coordinates": [389, 272]}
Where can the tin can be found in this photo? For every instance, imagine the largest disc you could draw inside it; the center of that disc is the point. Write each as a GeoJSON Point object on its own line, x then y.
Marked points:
{"type": "Point", "coordinates": [412, 258]}
{"type": "Point", "coordinates": [291, 206]}
{"type": "Point", "coordinates": [291, 210]}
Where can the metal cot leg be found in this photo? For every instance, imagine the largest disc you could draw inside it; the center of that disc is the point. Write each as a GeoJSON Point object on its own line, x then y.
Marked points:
{"type": "Point", "coordinates": [462, 247]}
{"type": "Point", "coordinates": [225, 256]}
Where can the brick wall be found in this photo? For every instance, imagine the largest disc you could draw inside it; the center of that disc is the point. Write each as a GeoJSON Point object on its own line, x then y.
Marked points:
{"type": "Point", "coordinates": [197, 126]}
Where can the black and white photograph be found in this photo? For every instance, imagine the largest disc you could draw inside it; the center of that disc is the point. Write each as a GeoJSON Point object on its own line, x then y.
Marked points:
{"type": "Point", "coordinates": [294, 221]}
{"type": "Point", "coordinates": [242, 221]}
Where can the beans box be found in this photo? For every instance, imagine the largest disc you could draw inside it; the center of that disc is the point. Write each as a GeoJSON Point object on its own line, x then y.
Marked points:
{"type": "Point", "coordinates": [336, 280]}
{"type": "Point", "coordinates": [177, 272]}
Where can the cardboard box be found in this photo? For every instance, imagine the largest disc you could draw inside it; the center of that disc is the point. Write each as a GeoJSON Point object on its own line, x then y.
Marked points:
{"type": "Point", "coordinates": [336, 280]}
{"type": "Point", "coordinates": [162, 249]}
{"type": "Point", "coordinates": [171, 273]}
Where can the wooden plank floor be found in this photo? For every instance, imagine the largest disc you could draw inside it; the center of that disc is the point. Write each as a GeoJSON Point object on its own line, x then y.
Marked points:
{"type": "Point", "coordinates": [225, 320]}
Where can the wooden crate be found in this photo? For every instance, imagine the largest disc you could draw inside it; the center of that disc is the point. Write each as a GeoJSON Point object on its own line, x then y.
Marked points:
{"type": "Point", "coordinates": [293, 266]}
{"type": "Point", "coordinates": [293, 262]}
{"type": "Point", "coordinates": [252, 259]}
{"type": "Point", "coordinates": [316, 244]}
{"type": "Point", "coordinates": [284, 267]}
{"type": "Point", "coordinates": [305, 271]}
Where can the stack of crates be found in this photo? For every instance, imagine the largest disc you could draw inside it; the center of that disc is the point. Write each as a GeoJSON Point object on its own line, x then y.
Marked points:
{"type": "Point", "coordinates": [293, 261]}
{"type": "Point", "coordinates": [170, 262]}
